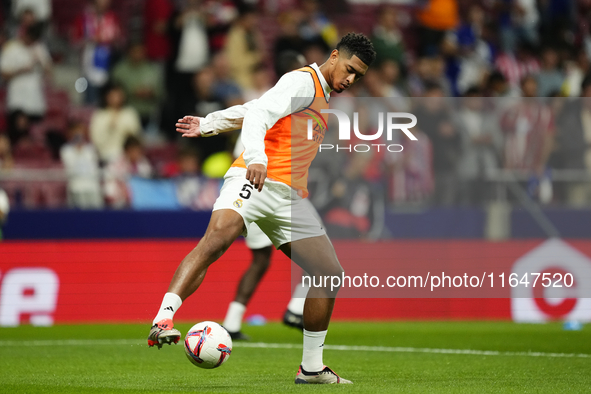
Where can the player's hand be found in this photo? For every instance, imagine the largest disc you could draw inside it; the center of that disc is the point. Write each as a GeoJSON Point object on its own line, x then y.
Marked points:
{"type": "Point", "coordinates": [256, 175]}
{"type": "Point", "coordinates": [190, 126]}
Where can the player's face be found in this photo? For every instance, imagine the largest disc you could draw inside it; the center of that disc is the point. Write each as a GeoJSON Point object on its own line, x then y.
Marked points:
{"type": "Point", "coordinates": [346, 71]}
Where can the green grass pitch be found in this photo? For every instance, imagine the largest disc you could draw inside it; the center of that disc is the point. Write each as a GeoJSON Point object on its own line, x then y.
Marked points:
{"type": "Point", "coordinates": [393, 357]}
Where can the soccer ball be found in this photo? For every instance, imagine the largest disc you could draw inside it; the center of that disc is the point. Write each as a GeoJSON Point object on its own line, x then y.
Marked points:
{"type": "Point", "coordinates": [208, 345]}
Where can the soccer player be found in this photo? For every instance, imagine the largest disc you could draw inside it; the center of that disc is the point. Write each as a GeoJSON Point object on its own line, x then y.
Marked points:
{"type": "Point", "coordinates": [266, 185]}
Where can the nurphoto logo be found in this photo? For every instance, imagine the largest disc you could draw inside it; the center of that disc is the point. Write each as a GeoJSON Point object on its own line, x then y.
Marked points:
{"type": "Point", "coordinates": [345, 131]}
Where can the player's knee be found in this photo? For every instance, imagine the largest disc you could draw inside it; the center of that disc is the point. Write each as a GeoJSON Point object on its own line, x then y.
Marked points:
{"type": "Point", "coordinates": [216, 242]}
{"type": "Point", "coordinates": [337, 272]}
{"type": "Point", "coordinates": [226, 226]}
{"type": "Point", "coordinates": [224, 235]}
{"type": "Point", "coordinates": [330, 269]}
{"type": "Point", "coordinates": [336, 269]}
{"type": "Point", "coordinates": [332, 272]}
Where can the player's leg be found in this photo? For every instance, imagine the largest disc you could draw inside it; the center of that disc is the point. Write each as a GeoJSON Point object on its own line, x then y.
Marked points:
{"type": "Point", "coordinates": [294, 315]}
{"type": "Point", "coordinates": [261, 259]}
{"type": "Point", "coordinates": [224, 227]}
{"type": "Point", "coordinates": [296, 232]}
{"type": "Point", "coordinates": [261, 248]}
{"type": "Point", "coordinates": [317, 257]}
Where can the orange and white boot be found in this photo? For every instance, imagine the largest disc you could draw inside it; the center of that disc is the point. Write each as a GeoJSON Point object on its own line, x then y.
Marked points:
{"type": "Point", "coordinates": [163, 332]}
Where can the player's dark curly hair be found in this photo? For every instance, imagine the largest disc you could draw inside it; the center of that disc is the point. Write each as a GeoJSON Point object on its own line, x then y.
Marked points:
{"type": "Point", "coordinates": [359, 45]}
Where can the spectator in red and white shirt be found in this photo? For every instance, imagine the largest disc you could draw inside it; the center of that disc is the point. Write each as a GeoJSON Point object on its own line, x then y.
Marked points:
{"type": "Point", "coordinates": [412, 178]}
{"type": "Point", "coordinates": [516, 66]}
{"type": "Point", "coordinates": [98, 31]}
{"type": "Point", "coordinates": [529, 131]}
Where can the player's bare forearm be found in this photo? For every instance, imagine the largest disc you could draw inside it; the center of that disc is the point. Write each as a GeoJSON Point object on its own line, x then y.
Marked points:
{"type": "Point", "coordinates": [256, 175]}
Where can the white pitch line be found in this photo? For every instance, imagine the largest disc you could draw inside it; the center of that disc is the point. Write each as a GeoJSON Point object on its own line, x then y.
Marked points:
{"type": "Point", "coordinates": [262, 345]}
{"type": "Point", "coordinates": [416, 350]}
{"type": "Point", "coordinates": [72, 342]}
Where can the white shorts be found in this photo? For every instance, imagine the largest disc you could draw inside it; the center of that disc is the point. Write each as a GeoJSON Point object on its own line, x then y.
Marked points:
{"type": "Point", "coordinates": [256, 238]}
{"type": "Point", "coordinates": [279, 212]}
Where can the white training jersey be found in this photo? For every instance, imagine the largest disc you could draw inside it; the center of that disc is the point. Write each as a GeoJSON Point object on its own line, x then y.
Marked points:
{"type": "Point", "coordinates": [257, 116]}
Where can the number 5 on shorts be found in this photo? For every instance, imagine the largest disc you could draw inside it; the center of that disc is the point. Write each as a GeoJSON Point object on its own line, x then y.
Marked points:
{"type": "Point", "coordinates": [246, 191]}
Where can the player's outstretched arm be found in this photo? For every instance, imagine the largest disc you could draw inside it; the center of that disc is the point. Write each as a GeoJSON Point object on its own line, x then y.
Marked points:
{"type": "Point", "coordinates": [223, 121]}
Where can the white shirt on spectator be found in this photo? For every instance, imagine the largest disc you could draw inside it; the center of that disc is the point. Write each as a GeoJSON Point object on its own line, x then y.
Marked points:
{"type": "Point", "coordinates": [81, 164]}
{"type": "Point", "coordinates": [109, 128]}
{"type": "Point", "coordinates": [4, 206]}
{"type": "Point", "coordinates": [193, 48]}
{"type": "Point", "coordinates": [25, 91]}
{"type": "Point", "coordinates": [41, 8]}
{"type": "Point", "coordinates": [530, 16]}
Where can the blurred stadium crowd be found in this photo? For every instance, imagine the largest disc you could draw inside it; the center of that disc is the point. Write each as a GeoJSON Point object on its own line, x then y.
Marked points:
{"type": "Point", "coordinates": [90, 92]}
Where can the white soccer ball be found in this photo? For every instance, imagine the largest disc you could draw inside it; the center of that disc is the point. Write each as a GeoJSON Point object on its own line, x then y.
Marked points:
{"type": "Point", "coordinates": [208, 345]}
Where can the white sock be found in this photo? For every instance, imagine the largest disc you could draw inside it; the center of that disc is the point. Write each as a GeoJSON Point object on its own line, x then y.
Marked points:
{"type": "Point", "coordinates": [313, 347]}
{"type": "Point", "coordinates": [170, 304]}
{"type": "Point", "coordinates": [298, 298]}
{"type": "Point", "coordinates": [233, 320]}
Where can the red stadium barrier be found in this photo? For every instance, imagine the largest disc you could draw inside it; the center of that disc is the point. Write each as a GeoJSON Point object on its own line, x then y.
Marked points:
{"type": "Point", "coordinates": [123, 281]}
